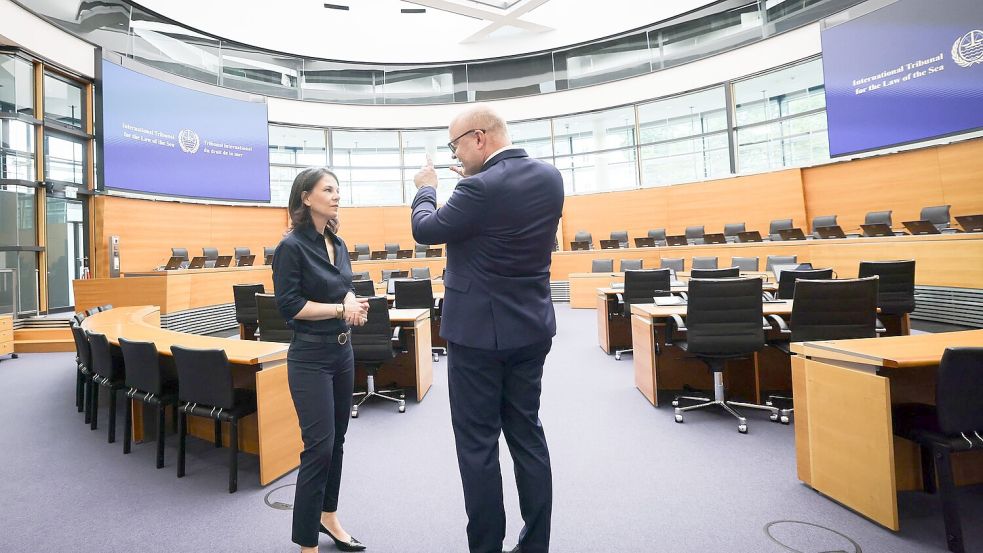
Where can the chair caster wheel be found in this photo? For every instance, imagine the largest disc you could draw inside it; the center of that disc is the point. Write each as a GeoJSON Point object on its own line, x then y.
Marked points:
{"type": "Point", "coordinates": [14, 356]}
{"type": "Point", "coordinates": [436, 358]}
{"type": "Point", "coordinates": [785, 419]}
{"type": "Point", "coordinates": [402, 408]}
{"type": "Point", "coordinates": [774, 416]}
{"type": "Point", "coordinates": [769, 404]}
{"type": "Point", "coordinates": [354, 413]}
{"type": "Point", "coordinates": [617, 357]}
{"type": "Point", "coordinates": [679, 418]}
{"type": "Point", "coordinates": [675, 403]}
{"type": "Point", "coordinates": [742, 428]}
{"type": "Point", "coordinates": [402, 396]}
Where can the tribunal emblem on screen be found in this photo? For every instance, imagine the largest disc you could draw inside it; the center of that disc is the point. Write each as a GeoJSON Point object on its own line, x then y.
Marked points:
{"type": "Point", "coordinates": [189, 141]}
{"type": "Point", "coordinates": [968, 49]}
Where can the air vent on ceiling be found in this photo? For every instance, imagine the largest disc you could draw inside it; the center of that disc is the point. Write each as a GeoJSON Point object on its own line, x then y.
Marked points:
{"type": "Point", "coordinates": [412, 10]}
{"type": "Point", "coordinates": [336, 7]}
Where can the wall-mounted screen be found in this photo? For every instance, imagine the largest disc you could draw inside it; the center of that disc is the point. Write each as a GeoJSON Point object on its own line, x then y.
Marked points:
{"type": "Point", "coordinates": [162, 138]}
{"type": "Point", "coordinates": [909, 71]}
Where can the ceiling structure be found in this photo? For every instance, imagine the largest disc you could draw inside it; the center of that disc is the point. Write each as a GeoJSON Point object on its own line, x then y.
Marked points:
{"type": "Point", "coordinates": [415, 31]}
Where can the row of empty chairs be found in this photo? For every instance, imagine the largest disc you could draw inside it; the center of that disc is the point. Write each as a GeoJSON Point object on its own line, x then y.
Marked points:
{"type": "Point", "coordinates": [744, 264]}
{"type": "Point", "coordinates": [210, 256]}
{"type": "Point", "coordinates": [934, 217]}
{"type": "Point", "coordinates": [393, 251]}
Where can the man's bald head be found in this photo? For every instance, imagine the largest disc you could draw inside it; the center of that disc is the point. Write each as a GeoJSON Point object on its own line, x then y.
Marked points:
{"type": "Point", "coordinates": [480, 116]}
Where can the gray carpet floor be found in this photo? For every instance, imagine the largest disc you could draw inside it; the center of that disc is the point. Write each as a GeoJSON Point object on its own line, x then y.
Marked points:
{"type": "Point", "coordinates": [626, 477]}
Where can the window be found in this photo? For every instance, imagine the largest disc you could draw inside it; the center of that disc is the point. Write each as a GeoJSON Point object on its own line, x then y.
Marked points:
{"type": "Point", "coordinates": [63, 102]}
{"type": "Point", "coordinates": [369, 166]}
{"type": "Point", "coordinates": [16, 85]}
{"type": "Point", "coordinates": [16, 150]}
{"type": "Point", "coordinates": [417, 145]}
{"type": "Point", "coordinates": [298, 146]}
{"type": "Point", "coordinates": [596, 151]}
{"type": "Point", "coordinates": [535, 137]}
{"type": "Point", "coordinates": [64, 159]}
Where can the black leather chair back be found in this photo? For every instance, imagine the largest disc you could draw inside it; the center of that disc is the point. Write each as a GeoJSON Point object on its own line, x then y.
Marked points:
{"type": "Point", "coordinates": [745, 263]}
{"type": "Point", "coordinates": [659, 234]}
{"type": "Point", "coordinates": [674, 263]}
{"type": "Point", "coordinates": [102, 357]}
{"type": "Point", "coordinates": [630, 265]}
{"type": "Point", "coordinates": [420, 250]}
{"type": "Point", "coordinates": [82, 348]}
{"type": "Point", "coordinates": [958, 390]}
{"type": "Point", "coordinates": [878, 217]}
{"type": "Point", "coordinates": [704, 263]}
{"type": "Point", "coordinates": [392, 248]}
{"type": "Point", "coordinates": [834, 309]}
{"type": "Point", "coordinates": [780, 260]}
{"type": "Point", "coordinates": [142, 366]}
{"type": "Point", "coordinates": [372, 342]}
{"type": "Point", "coordinates": [420, 272]}
{"type": "Point", "coordinates": [180, 252]}
{"type": "Point", "coordinates": [786, 282]}
{"type": "Point", "coordinates": [362, 249]}
{"type": "Point", "coordinates": [361, 275]}
{"type": "Point", "coordinates": [693, 233]}
{"type": "Point", "coordinates": [393, 273]}
{"type": "Point", "coordinates": [642, 286]}
{"type": "Point", "coordinates": [268, 250]}
{"type": "Point", "coordinates": [583, 236]}
{"type": "Point", "coordinates": [729, 272]}
{"type": "Point", "coordinates": [938, 215]}
{"type": "Point", "coordinates": [413, 294]}
{"type": "Point", "coordinates": [203, 376]}
{"type": "Point", "coordinates": [272, 326]}
{"type": "Point", "coordinates": [823, 221]}
{"type": "Point", "coordinates": [244, 296]}
{"type": "Point", "coordinates": [240, 251]}
{"type": "Point", "coordinates": [896, 291]}
{"type": "Point", "coordinates": [78, 318]}
{"type": "Point", "coordinates": [723, 317]}
{"type": "Point", "coordinates": [621, 236]}
{"type": "Point", "coordinates": [210, 254]}
{"type": "Point", "coordinates": [602, 266]}
{"type": "Point", "coordinates": [364, 288]}
{"type": "Point", "coordinates": [733, 229]}
{"type": "Point", "coordinates": [777, 225]}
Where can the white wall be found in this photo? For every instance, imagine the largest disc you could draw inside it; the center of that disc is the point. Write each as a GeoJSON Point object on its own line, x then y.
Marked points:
{"type": "Point", "coordinates": [23, 28]}
{"type": "Point", "coordinates": [760, 56]}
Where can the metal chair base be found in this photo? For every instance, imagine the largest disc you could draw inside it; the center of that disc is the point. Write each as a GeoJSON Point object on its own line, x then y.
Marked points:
{"type": "Point", "coordinates": [720, 400]}
{"type": "Point", "coordinates": [619, 352]}
{"type": "Point", "coordinates": [388, 395]}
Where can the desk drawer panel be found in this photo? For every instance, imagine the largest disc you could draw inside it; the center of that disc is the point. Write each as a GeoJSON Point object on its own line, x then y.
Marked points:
{"type": "Point", "coordinates": [6, 323]}
{"type": "Point", "coordinates": [6, 336]}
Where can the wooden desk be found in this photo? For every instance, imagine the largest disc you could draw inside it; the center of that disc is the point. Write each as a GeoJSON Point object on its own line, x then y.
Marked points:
{"type": "Point", "coordinates": [6, 334]}
{"type": "Point", "coordinates": [584, 286]}
{"type": "Point", "coordinates": [273, 432]}
{"type": "Point", "coordinates": [844, 444]}
{"type": "Point", "coordinates": [658, 367]}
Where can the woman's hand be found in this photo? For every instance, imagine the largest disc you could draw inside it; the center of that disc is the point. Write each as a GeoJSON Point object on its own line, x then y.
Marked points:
{"type": "Point", "coordinates": [356, 310]}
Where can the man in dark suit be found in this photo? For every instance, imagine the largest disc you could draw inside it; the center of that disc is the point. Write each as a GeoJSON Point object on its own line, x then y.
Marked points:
{"type": "Point", "coordinates": [499, 226]}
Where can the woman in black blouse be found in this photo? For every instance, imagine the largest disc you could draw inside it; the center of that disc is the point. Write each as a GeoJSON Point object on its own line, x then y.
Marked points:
{"type": "Point", "coordinates": [312, 276]}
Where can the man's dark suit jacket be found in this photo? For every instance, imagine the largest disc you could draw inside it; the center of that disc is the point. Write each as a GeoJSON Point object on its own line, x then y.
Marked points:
{"type": "Point", "coordinates": [499, 226]}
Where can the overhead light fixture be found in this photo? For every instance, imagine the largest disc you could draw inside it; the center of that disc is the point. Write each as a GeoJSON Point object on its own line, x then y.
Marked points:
{"type": "Point", "coordinates": [336, 7]}
{"type": "Point", "coordinates": [412, 10]}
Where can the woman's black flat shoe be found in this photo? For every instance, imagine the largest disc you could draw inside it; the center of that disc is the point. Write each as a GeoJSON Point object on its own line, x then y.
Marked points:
{"type": "Point", "coordinates": [350, 545]}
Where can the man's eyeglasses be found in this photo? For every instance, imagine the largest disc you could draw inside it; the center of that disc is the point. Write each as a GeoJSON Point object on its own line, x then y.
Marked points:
{"type": "Point", "coordinates": [452, 145]}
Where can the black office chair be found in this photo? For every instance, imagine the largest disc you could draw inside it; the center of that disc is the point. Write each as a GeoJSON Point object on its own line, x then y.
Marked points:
{"type": "Point", "coordinates": [878, 218]}
{"type": "Point", "coordinates": [205, 389]}
{"type": "Point", "coordinates": [659, 235]}
{"type": "Point", "coordinates": [745, 263]}
{"type": "Point", "coordinates": [107, 372]}
{"type": "Point", "coordinates": [147, 381]}
{"type": "Point", "coordinates": [361, 275]}
{"type": "Point", "coordinates": [238, 252]}
{"type": "Point", "coordinates": [180, 252]}
{"type": "Point", "coordinates": [729, 272]}
{"type": "Point", "coordinates": [674, 263]}
{"type": "Point", "coordinates": [896, 292]}
{"type": "Point", "coordinates": [364, 288]}
{"type": "Point", "coordinates": [420, 250]}
{"type": "Point", "coordinates": [375, 343]}
{"type": "Point", "coordinates": [210, 255]}
{"type": "Point", "coordinates": [777, 225]}
{"type": "Point", "coordinates": [630, 265]}
{"type": "Point", "coordinates": [272, 326]}
{"type": "Point", "coordinates": [826, 310]}
{"type": "Point", "coordinates": [584, 236]}
{"type": "Point", "coordinates": [694, 235]}
{"type": "Point", "coordinates": [363, 250]}
{"type": "Point", "coordinates": [773, 260]}
{"type": "Point", "coordinates": [268, 250]}
{"type": "Point", "coordinates": [704, 263]}
{"type": "Point", "coordinates": [621, 236]}
{"type": "Point", "coordinates": [393, 273]}
{"type": "Point", "coordinates": [786, 280]}
{"type": "Point", "coordinates": [731, 230]}
{"type": "Point", "coordinates": [938, 215]}
{"type": "Point", "coordinates": [822, 221]}
{"type": "Point", "coordinates": [640, 287]}
{"type": "Point", "coordinates": [244, 296]}
{"type": "Point", "coordinates": [105, 307]}
{"type": "Point", "coordinates": [602, 266]}
{"type": "Point", "coordinates": [418, 294]}
{"type": "Point", "coordinates": [723, 321]}
{"type": "Point", "coordinates": [391, 250]}
{"type": "Point", "coordinates": [420, 272]}
{"type": "Point", "coordinates": [83, 378]}
{"type": "Point", "coordinates": [954, 424]}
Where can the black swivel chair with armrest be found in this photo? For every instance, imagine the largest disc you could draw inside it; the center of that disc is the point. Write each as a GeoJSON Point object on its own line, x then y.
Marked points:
{"type": "Point", "coordinates": [694, 235]}
{"type": "Point", "coordinates": [210, 255]}
{"type": "Point", "coordinates": [418, 294]}
{"type": "Point", "coordinates": [272, 326]}
{"type": "Point", "coordinates": [787, 279]}
{"type": "Point", "coordinates": [147, 382]}
{"type": "Point", "coordinates": [896, 290]}
{"type": "Point", "coordinates": [723, 321]}
{"type": "Point", "coordinates": [630, 265]}
{"type": "Point", "coordinates": [677, 264]}
{"type": "Point", "coordinates": [205, 389]}
{"type": "Point", "coordinates": [777, 225]}
{"type": "Point", "coordinates": [391, 250]}
{"type": "Point", "coordinates": [729, 272]}
{"type": "Point", "coordinates": [364, 288]}
{"type": "Point", "coordinates": [240, 251]}
{"type": "Point", "coordinates": [375, 343]}
{"type": "Point", "coordinates": [659, 235]}
{"type": "Point", "coordinates": [731, 230]}
{"type": "Point", "coordinates": [83, 378]}
{"type": "Point", "coordinates": [826, 310]}
{"type": "Point", "coordinates": [822, 221]}
{"type": "Point", "coordinates": [602, 266]}
{"type": "Point", "coordinates": [621, 236]}
{"type": "Point", "coordinates": [244, 296]}
{"type": "Point", "coordinates": [773, 260]}
{"type": "Point", "coordinates": [420, 272]}
{"type": "Point", "coordinates": [640, 287]}
{"type": "Point", "coordinates": [745, 264]}
{"type": "Point", "coordinates": [938, 215]}
{"type": "Point", "coordinates": [704, 263]}
{"type": "Point", "coordinates": [953, 425]}
{"type": "Point", "coordinates": [107, 372]}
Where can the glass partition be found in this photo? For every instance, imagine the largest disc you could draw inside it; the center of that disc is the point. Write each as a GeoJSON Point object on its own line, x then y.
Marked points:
{"type": "Point", "coordinates": [369, 166]}
{"type": "Point", "coordinates": [64, 158]}
{"type": "Point", "coordinates": [16, 85]}
{"type": "Point", "coordinates": [16, 150]}
{"type": "Point", "coordinates": [63, 102]}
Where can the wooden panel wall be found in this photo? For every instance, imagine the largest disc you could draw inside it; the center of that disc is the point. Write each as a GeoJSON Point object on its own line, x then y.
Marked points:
{"type": "Point", "coordinates": [376, 226]}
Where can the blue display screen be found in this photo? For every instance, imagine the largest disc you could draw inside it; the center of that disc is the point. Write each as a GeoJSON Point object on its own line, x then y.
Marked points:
{"type": "Point", "coordinates": [909, 71]}
{"type": "Point", "coordinates": [163, 138]}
